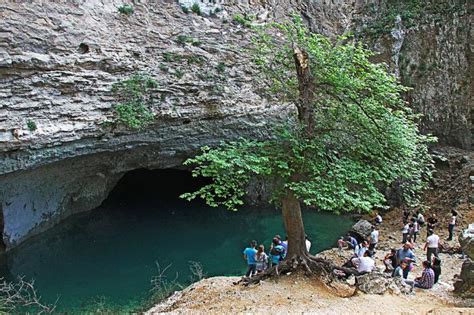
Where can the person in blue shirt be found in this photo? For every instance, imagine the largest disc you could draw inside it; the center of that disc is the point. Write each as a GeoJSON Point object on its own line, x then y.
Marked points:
{"type": "Point", "coordinates": [405, 254]}
{"type": "Point", "coordinates": [249, 255]}
{"type": "Point", "coordinates": [277, 252]}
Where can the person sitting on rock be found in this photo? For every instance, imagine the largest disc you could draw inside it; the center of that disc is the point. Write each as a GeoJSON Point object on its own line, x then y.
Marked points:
{"type": "Point", "coordinates": [378, 218]}
{"type": "Point", "coordinates": [363, 247]}
{"type": "Point", "coordinates": [366, 263]}
{"type": "Point", "coordinates": [390, 260]}
{"type": "Point", "coordinates": [426, 281]}
{"type": "Point", "coordinates": [406, 255]}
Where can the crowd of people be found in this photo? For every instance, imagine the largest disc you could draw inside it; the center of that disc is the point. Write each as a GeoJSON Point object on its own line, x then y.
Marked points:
{"type": "Point", "coordinates": [258, 261]}
{"type": "Point", "coordinates": [398, 262]}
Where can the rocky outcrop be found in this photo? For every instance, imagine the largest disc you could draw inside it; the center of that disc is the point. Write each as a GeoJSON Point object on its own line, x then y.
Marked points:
{"type": "Point", "coordinates": [61, 151]}
{"type": "Point", "coordinates": [464, 283]}
{"type": "Point", "coordinates": [362, 229]}
{"type": "Point", "coordinates": [379, 283]}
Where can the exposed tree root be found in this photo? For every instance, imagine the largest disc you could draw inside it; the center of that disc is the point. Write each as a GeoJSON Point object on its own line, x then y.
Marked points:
{"type": "Point", "coordinates": [309, 264]}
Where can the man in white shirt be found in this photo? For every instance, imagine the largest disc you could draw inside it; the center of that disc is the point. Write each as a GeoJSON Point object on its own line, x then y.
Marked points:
{"type": "Point", "coordinates": [431, 245]}
{"type": "Point", "coordinates": [405, 230]}
{"type": "Point", "coordinates": [373, 239]}
{"type": "Point", "coordinates": [366, 263]}
{"type": "Point", "coordinates": [364, 246]}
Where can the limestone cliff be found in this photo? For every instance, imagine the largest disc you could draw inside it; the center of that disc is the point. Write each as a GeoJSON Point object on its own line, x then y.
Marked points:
{"type": "Point", "coordinates": [61, 153]}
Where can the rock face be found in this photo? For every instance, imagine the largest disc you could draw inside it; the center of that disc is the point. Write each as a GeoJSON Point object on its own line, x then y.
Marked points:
{"type": "Point", "coordinates": [362, 229]}
{"type": "Point", "coordinates": [61, 153]}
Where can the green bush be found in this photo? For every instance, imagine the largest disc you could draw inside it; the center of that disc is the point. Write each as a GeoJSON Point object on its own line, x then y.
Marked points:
{"type": "Point", "coordinates": [135, 100]}
{"type": "Point", "coordinates": [126, 9]}
{"type": "Point", "coordinates": [185, 9]}
{"type": "Point", "coordinates": [31, 125]}
{"type": "Point", "coordinates": [244, 21]}
{"type": "Point", "coordinates": [220, 67]}
{"type": "Point", "coordinates": [179, 73]}
{"type": "Point", "coordinates": [196, 8]}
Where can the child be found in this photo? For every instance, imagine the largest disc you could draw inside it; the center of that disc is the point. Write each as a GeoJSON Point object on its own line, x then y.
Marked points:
{"type": "Point", "coordinates": [261, 259]}
{"type": "Point", "coordinates": [341, 243]}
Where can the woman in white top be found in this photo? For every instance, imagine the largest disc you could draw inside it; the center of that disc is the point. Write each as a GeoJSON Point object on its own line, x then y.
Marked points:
{"type": "Point", "coordinates": [452, 224]}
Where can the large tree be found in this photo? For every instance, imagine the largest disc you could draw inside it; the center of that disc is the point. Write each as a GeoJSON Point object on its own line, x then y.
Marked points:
{"type": "Point", "coordinates": [351, 134]}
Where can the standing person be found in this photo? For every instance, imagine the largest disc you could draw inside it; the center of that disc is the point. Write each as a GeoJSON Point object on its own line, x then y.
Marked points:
{"type": "Point", "coordinates": [431, 245]}
{"type": "Point", "coordinates": [415, 229]}
{"type": "Point", "coordinates": [341, 243]}
{"type": "Point", "coordinates": [249, 255]}
{"type": "Point", "coordinates": [410, 232]}
{"type": "Point", "coordinates": [432, 223]}
{"type": "Point", "coordinates": [405, 231]}
{"type": "Point", "coordinates": [406, 215]}
{"type": "Point", "coordinates": [405, 254]}
{"type": "Point", "coordinates": [276, 251]}
{"type": "Point", "coordinates": [261, 259]}
{"type": "Point", "coordinates": [436, 266]}
{"type": "Point", "coordinates": [420, 218]}
{"type": "Point", "coordinates": [452, 224]}
{"type": "Point", "coordinates": [284, 244]}
{"type": "Point", "coordinates": [426, 281]}
{"type": "Point", "coordinates": [373, 239]}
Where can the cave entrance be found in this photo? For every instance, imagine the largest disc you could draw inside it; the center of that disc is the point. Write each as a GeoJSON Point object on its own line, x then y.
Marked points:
{"type": "Point", "coordinates": [144, 189]}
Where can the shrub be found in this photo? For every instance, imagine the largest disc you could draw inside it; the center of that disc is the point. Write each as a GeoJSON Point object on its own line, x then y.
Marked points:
{"type": "Point", "coordinates": [185, 9]}
{"type": "Point", "coordinates": [196, 8]}
{"type": "Point", "coordinates": [126, 9]}
{"type": "Point", "coordinates": [220, 67]}
{"type": "Point", "coordinates": [244, 21]}
{"type": "Point", "coordinates": [179, 73]}
{"type": "Point", "coordinates": [134, 94]}
{"type": "Point", "coordinates": [31, 125]}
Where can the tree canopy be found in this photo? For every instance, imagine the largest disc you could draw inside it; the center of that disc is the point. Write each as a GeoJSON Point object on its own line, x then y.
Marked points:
{"type": "Point", "coordinates": [352, 133]}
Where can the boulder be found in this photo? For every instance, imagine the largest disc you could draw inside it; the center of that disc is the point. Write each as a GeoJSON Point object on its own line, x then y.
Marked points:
{"type": "Point", "coordinates": [379, 283]}
{"type": "Point", "coordinates": [466, 239]}
{"type": "Point", "coordinates": [362, 229]}
{"type": "Point", "coordinates": [464, 283]}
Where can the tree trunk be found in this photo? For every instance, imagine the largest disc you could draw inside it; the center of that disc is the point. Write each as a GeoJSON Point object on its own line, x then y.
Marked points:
{"type": "Point", "coordinates": [291, 212]}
